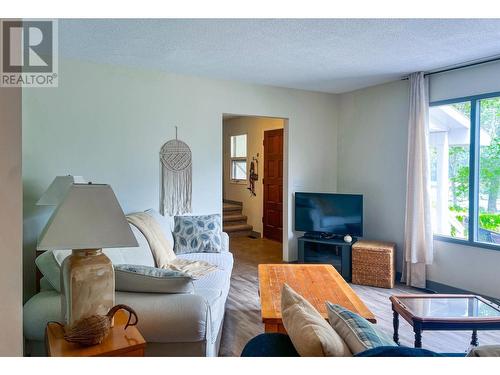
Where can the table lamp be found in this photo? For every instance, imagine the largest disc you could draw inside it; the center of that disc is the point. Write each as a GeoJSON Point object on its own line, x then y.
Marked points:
{"type": "Point", "coordinates": [58, 188]}
{"type": "Point", "coordinates": [87, 219]}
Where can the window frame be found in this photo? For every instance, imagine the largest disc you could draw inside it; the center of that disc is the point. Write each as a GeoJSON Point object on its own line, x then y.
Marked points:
{"type": "Point", "coordinates": [238, 158]}
{"type": "Point", "coordinates": [474, 158]}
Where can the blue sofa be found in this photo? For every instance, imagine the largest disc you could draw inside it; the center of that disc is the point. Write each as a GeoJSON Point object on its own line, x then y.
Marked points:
{"type": "Point", "coordinates": [280, 345]}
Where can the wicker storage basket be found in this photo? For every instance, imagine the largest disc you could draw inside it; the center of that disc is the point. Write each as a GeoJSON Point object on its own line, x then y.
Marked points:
{"type": "Point", "coordinates": [374, 263]}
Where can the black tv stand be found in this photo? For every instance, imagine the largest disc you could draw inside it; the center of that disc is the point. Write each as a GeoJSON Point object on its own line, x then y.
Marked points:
{"type": "Point", "coordinates": [325, 236]}
{"type": "Point", "coordinates": [334, 251]}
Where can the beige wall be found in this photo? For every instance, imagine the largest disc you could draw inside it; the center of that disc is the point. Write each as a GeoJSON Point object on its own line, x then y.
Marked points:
{"type": "Point", "coordinates": [254, 128]}
{"type": "Point", "coordinates": [372, 154]}
{"type": "Point", "coordinates": [11, 338]}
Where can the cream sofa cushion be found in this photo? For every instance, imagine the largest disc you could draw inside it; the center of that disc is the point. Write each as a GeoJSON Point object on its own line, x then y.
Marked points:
{"type": "Point", "coordinates": [310, 333]}
{"type": "Point", "coordinates": [50, 269]}
{"type": "Point", "coordinates": [163, 318]}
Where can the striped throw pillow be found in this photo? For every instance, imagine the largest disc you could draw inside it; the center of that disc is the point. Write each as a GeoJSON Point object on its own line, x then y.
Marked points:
{"type": "Point", "coordinates": [357, 332]}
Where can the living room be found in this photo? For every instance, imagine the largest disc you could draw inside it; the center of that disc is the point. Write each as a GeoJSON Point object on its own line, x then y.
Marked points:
{"type": "Point", "coordinates": [383, 209]}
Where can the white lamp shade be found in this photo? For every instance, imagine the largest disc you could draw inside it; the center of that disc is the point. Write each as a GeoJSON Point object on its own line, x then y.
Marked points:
{"type": "Point", "coordinates": [88, 217]}
{"type": "Point", "coordinates": [57, 190]}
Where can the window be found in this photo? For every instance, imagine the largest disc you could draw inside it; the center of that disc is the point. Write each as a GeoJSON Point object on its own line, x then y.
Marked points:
{"type": "Point", "coordinates": [239, 157]}
{"type": "Point", "coordinates": [464, 150]}
{"type": "Point", "coordinates": [449, 142]}
{"type": "Point", "coordinates": [489, 171]}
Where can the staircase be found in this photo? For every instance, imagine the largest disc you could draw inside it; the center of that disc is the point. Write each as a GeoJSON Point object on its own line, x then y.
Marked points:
{"type": "Point", "coordinates": [233, 221]}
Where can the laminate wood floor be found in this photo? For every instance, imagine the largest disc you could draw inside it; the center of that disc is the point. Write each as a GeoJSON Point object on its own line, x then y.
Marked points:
{"type": "Point", "coordinates": [243, 320]}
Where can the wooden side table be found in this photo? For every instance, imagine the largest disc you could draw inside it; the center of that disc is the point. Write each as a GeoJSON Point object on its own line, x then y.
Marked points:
{"type": "Point", "coordinates": [119, 343]}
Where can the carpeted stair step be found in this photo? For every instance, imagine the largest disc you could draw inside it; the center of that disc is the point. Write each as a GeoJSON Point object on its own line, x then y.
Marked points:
{"type": "Point", "coordinates": [234, 219]}
{"type": "Point", "coordinates": [238, 230]}
{"type": "Point", "coordinates": [232, 209]}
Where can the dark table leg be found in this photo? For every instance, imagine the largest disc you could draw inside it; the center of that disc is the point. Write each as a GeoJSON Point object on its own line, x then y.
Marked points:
{"type": "Point", "coordinates": [395, 324]}
{"type": "Point", "coordinates": [474, 341]}
{"type": "Point", "coordinates": [418, 335]}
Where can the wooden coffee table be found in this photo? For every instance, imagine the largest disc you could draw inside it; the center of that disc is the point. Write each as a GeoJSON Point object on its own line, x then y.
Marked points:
{"type": "Point", "coordinates": [317, 283]}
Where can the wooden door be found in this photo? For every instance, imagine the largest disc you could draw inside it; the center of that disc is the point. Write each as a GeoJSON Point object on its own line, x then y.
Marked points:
{"type": "Point", "coordinates": [273, 185]}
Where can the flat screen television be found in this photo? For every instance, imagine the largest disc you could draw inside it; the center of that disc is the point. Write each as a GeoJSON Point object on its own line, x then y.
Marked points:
{"type": "Point", "coordinates": [331, 214]}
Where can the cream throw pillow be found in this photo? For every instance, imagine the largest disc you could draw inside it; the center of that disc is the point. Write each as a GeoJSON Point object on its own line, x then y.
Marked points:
{"type": "Point", "coordinates": [310, 333]}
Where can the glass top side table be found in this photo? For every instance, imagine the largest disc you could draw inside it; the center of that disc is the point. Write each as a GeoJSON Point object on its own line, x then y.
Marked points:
{"type": "Point", "coordinates": [444, 312]}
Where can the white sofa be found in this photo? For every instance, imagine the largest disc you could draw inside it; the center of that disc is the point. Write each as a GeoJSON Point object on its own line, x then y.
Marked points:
{"type": "Point", "coordinates": [172, 324]}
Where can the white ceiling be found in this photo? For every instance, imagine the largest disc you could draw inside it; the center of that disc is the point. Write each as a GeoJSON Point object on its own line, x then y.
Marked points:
{"type": "Point", "coordinates": [329, 55]}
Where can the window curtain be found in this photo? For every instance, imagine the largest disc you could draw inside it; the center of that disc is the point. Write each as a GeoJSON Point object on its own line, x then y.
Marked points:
{"type": "Point", "coordinates": [418, 246]}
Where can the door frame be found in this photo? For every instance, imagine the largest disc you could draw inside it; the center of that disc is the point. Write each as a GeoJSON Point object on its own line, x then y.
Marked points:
{"type": "Point", "coordinates": [287, 209]}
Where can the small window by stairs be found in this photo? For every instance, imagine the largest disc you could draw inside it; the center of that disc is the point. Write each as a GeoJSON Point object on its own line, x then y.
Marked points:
{"type": "Point", "coordinates": [234, 222]}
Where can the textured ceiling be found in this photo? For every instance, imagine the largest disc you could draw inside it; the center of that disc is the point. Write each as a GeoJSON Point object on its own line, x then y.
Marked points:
{"type": "Point", "coordinates": [329, 55]}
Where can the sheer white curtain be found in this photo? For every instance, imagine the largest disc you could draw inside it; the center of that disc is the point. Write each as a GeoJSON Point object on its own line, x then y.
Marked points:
{"type": "Point", "coordinates": [418, 247]}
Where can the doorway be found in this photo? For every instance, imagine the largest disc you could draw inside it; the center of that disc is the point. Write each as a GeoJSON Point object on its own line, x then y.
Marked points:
{"type": "Point", "coordinates": [253, 178]}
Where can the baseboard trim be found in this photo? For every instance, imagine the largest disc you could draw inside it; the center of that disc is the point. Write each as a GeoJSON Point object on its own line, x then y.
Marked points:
{"type": "Point", "coordinates": [256, 234]}
{"type": "Point", "coordinates": [435, 287]}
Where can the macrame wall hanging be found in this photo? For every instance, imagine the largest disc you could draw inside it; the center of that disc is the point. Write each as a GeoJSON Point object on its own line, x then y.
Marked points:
{"type": "Point", "coordinates": [176, 180]}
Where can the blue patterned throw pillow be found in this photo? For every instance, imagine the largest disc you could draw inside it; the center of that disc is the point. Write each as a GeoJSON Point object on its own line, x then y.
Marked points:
{"type": "Point", "coordinates": [145, 279]}
{"type": "Point", "coordinates": [357, 332]}
{"type": "Point", "coordinates": [197, 234]}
